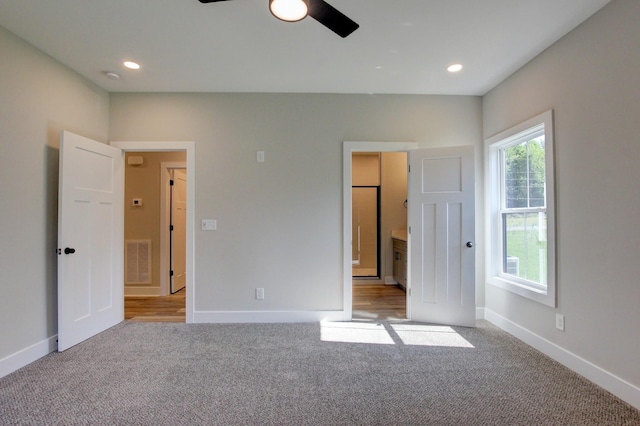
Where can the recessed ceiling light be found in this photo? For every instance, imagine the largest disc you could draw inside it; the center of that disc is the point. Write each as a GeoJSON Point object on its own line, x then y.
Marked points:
{"type": "Point", "coordinates": [454, 67]}
{"type": "Point", "coordinates": [131, 65]}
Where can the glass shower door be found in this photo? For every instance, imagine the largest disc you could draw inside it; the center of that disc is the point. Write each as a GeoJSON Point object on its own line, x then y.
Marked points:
{"type": "Point", "coordinates": [365, 224]}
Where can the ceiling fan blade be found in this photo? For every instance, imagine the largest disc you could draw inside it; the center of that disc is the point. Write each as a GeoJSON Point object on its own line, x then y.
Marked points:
{"type": "Point", "coordinates": [331, 18]}
{"type": "Point", "coordinates": [211, 1]}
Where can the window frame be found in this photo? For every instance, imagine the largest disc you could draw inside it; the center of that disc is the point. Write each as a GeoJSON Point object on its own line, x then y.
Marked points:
{"type": "Point", "coordinates": [494, 186]}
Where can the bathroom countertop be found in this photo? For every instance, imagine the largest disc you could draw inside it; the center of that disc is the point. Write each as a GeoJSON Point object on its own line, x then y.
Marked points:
{"type": "Point", "coordinates": [399, 234]}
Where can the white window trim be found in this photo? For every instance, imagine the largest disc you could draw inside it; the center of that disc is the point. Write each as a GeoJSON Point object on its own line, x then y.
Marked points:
{"type": "Point", "coordinates": [493, 224]}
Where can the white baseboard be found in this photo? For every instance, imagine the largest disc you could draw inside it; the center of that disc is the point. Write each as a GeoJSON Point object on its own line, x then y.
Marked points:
{"type": "Point", "coordinates": [267, 316]}
{"type": "Point", "coordinates": [26, 356]}
{"type": "Point", "coordinates": [389, 280]}
{"type": "Point", "coordinates": [480, 312]}
{"type": "Point", "coordinates": [617, 386]}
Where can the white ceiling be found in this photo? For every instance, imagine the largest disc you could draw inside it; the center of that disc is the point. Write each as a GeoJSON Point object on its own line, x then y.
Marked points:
{"type": "Point", "coordinates": [402, 46]}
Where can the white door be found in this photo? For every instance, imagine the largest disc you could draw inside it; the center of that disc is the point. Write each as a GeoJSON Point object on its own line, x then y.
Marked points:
{"type": "Point", "coordinates": [178, 230]}
{"type": "Point", "coordinates": [90, 239]}
{"type": "Point", "coordinates": [442, 230]}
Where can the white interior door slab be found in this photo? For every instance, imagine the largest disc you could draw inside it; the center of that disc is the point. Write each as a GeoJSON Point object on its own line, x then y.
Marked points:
{"type": "Point", "coordinates": [178, 230]}
{"type": "Point", "coordinates": [442, 231]}
{"type": "Point", "coordinates": [90, 239]}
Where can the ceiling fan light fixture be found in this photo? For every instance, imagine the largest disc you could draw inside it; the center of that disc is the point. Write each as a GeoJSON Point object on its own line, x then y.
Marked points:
{"type": "Point", "coordinates": [289, 10]}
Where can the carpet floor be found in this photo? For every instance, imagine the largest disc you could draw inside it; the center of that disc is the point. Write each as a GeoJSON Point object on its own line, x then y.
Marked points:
{"type": "Point", "coordinates": [386, 373]}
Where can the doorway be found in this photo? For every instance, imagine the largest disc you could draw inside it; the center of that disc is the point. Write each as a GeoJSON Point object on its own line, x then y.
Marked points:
{"type": "Point", "coordinates": [188, 151]}
{"type": "Point", "coordinates": [378, 210]}
{"type": "Point", "coordinates": [155, 226]}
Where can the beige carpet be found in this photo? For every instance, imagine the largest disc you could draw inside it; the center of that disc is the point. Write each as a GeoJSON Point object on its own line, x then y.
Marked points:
{"type": "Point", "coordinates": [304, 374]}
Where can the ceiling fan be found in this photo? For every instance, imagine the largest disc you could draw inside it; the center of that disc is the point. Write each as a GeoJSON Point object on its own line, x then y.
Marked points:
{"type": "Point", "coordinates": [320, 10]}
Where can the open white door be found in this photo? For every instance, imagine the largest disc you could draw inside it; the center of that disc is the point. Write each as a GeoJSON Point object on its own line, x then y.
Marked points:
{"type": "Point", "coordinates": [442, 231]}
{"type": "Point", "coordinates": [90, 239]}
{"type": "Point", "coordinates": [178, 230]}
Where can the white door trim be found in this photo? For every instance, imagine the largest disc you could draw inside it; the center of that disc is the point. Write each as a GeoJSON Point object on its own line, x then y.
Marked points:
{"type": "Point", "coordinates": [190, 148]}
{"type": "Point", "coordinates": [165, 206]}
{"type": "Point", "coordinates": [349, 147]}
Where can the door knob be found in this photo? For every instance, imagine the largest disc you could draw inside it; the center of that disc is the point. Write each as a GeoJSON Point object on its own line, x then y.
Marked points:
{"type": "Point", "coordinates": [69, 250]}
{"type": "Point", "coordinates": [469, 244]}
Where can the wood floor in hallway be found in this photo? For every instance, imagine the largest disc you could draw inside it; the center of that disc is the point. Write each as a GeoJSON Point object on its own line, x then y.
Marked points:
{"type": "Point", "coordinates": [156, 308]}
{"type": "Point", "coordinates": [370, 303]}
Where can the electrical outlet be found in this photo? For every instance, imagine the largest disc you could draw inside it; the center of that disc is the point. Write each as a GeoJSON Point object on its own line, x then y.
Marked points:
{"type": "Point", "coordinates": [560, 322]}
{"type": "Point", "coordinates": [259, 293]}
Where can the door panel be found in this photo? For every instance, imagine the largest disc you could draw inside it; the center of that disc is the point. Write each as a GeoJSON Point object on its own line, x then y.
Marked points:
{"type": "Point", "coordinates": [90, 222]}
{"type": "Point", "coordinates": [441, 219]}
{"type": "Point", "coordinates": [178, 233]}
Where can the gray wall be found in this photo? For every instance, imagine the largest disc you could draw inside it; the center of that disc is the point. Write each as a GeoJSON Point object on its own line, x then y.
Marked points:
{"type": "Point", "coordinates": [280, 222]}
{"type": "Point", "coordinates": [591, 78]}
{"type": "Point", "coordinates": [266, 211]}
{"type": "Point", "coordinates": [38, 98]}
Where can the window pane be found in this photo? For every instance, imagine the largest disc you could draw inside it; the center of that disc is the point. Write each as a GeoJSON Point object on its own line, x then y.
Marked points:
{"type": "Point", "coordinates": [524, 173]}
{"type": "Point", "coordinates": [526, 246]}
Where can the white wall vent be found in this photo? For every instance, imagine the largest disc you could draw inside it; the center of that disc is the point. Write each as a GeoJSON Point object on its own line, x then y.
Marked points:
{"type": "Point", "coordinates": [137, 261]}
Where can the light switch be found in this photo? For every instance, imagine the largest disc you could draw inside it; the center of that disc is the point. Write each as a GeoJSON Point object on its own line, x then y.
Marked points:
{"type": "Point", "coordinates": [260, 156]}
{"type": "Point", "coordinates": [209, 224]}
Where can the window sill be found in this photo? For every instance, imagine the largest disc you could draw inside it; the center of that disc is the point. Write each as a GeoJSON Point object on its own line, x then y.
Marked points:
{"type": "Point", "coordinates": [537, 295]}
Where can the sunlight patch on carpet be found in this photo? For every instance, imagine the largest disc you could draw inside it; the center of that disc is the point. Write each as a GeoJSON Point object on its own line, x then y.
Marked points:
{"type": "Point", "coordinates": [430, 335]}
{"type": "Point", "coordinates": [349, 332]}
{"type": "Point", "coordinates": [392, 334]}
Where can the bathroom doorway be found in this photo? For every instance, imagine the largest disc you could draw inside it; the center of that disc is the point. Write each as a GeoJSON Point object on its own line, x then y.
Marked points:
{"type": "Point", "coordinates": [378, 215]}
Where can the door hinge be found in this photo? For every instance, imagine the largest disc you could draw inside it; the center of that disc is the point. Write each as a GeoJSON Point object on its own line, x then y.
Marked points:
{"type": "Point", "coordinates": [409, 290]}
{"type": "Point", "coordinates": [171, 182]}
{"type": "Point", "coordinates": [170, 227]}
{"type": "Point", "coordinates": [409, 168]}
{"type": "Point", "coordinates": [170, 273]}
{"type": "Point", "coordinates": [409, 230]}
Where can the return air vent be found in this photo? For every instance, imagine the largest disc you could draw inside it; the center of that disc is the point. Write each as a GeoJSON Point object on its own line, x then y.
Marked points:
{"type": "Point", "coordinates": [137, 255]}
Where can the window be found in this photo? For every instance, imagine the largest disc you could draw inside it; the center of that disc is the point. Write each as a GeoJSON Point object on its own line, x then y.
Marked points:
{"type": "Point", "coordinates": [520, 215]}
